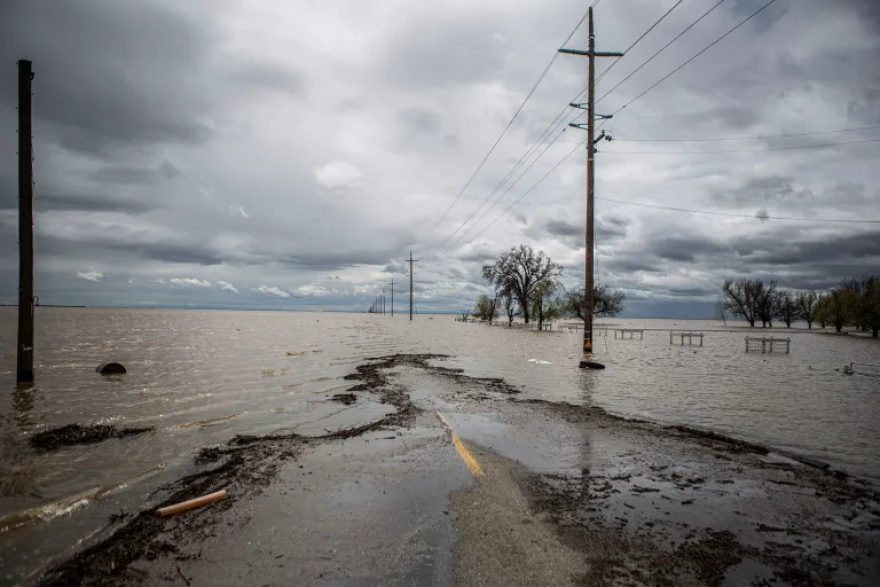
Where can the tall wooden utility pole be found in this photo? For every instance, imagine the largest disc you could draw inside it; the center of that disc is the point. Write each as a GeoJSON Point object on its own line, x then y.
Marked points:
{"type": "Point", "coordinates": [25, 364]}
{"type": "Point", "coordinates": [383, 301]}
{"type": "Point", "coordinates": [411, 261]}
{"type": "Point", "coordinates": [392, 297]}
{"type": "Point", "coordinates": [591, 150]}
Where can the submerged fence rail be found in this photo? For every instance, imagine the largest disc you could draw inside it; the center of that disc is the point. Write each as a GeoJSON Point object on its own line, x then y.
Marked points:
{"type": "Point", "coordinates": [767, 345]}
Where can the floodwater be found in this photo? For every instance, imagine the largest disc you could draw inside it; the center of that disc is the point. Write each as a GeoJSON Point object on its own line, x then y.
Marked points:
{"type": "Point", "coordinates": [200, 377]}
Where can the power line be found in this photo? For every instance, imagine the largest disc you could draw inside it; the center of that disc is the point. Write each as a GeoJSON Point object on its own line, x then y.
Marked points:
{"type": "Point", "coordinates": [735, 215]}
{"type": "Point", "coordinates": [706, 48]}
{"type": "Point", "coordinates": [526, 193]}
{"type": "Point", "coordinates": [501, 136]}
{"type": "Point", "coordinates": [752, 138]}
{"type": "Point", "coordinates": [504, 180]}
{"type": "Point", "coordinates": [790, 148]}
{"type": "Point", "coordinates": [534, 147]}
{"type": "Point", "coordinates": [529, 152]}
{"type": "Point", "coordinates": [500, 197]}
{"type": "Point", "coordinates": [662, 49]}
{"type": "Point", "coordinates": [636, 42]}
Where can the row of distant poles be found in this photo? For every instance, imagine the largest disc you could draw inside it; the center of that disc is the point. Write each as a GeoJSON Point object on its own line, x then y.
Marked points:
{"type": "Point", "coordinates": [26, 300]}
{"type": "Point", "coordinates": [379, 305]}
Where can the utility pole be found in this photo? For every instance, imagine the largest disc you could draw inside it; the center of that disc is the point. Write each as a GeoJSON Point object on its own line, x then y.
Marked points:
{"type": "Point", "coordinates": [383, 301]}
{"type": "Point", "coordinates": [589, 247]}
{"type": "Point", "coordinates": [411, 261]}
{"type": "Point", "coordinates": [25, 359]}
{"type": "Point", "coordinates": [392, 297]}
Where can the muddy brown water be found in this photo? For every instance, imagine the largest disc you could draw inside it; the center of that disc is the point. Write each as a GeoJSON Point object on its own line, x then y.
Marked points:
{"type": "Point", "coordinates": [201, 377]}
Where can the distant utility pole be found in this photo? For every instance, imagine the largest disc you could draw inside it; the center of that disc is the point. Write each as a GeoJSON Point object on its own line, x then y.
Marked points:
{"type": "Point", "coordinates": [25, 364]}
{"type": "Point", "coordinates": [411, 261]}
{"type": "Point", "coordinates": [383, 301]}
{"type": "Point", "coordinates": [392, 297]}
{"type": "Point", "coordinates": [591, 150]}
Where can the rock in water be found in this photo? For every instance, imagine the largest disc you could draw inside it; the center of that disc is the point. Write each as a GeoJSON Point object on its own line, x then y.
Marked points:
{"type": "Point", "coordinates": [111, 369]}
{"type": "Point", "coordinates": [591, 365]}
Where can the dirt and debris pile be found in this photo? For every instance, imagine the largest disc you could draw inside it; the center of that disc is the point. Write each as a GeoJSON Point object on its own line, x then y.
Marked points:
{"type": "Point", "coordinates": [73, 434]}
{"type": "Point", "coordinates": [242, 467]}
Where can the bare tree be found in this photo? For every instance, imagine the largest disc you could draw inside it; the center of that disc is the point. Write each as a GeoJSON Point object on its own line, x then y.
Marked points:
{"type": "Point", "coordinates": [767, 299]}
{"type": "Point", "coordinates": [807, 304]}
{"type": "Point", "coordinates": [842, 304]}
{"type": "Point", "coordinates": [510, 308]}
{"type": "Point", "coordinates": [606, 302]}
{"type": "Point", "coordinates": [739, 299]}
{"type": "Point", "coordinates": [544, 305]}
{"type": "Point", "coordinates": [518, 272]}
{"type": "Point", "coordinates": [493, 308]}
{"type": "Point", "coordinates": [787, 309]}
{"type": "Point", "coordinates": [823, 309]}
{"type": "Point", "coordinates": [871, 295]}
{"type": "Point", "coordinates": [464, 315]}
{"type": "Point", "coordinates": [484, 309]}
{"type": "Point", "coordinates": [866, 306]}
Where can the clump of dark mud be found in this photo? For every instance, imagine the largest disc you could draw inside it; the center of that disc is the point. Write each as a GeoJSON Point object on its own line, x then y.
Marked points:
{"type": "Point", "coordinates": [147, 536]}
{"type": "Point", "coordinates": [74, 434]}
{"type": "Point", "coordinates": [671, 505]}
{"type": "Point", "coordinates": [246, 464]}
{"type": "Point", "coordinates": [496, 384]}
{"type": "Point", "coordinates": [344, 398]}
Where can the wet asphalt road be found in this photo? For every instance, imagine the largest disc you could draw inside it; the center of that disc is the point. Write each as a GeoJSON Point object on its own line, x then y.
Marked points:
{"type": "Point", "coordinates": [478, 488]}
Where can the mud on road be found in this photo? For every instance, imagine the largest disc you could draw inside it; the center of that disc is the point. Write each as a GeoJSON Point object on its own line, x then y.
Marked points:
{"type": "Point", "coordinates": [567, 495]}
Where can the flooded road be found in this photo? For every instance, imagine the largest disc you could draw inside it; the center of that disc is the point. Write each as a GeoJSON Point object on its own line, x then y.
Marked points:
{"type": "Point", "coordinates": [201, 377]}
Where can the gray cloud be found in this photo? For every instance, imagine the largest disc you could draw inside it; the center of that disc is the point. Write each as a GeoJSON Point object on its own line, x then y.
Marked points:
{"type": "Point", "coordinates": [128, 174]}
{"type": "Point", "coordinates": [452, 50]}
{"type": "Point", "coordinates": [181, 141]}
{"type": "Point", "coordinates": [111, 74]}
{"type": "Point", "coordinates": [269, 76]}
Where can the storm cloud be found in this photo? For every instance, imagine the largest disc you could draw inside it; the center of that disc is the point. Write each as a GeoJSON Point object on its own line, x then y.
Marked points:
{"type": "Point", "coordinates": [261, 154]}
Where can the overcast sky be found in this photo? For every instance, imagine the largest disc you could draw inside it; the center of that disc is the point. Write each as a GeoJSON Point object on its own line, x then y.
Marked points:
{"type": "Point", "coordinates": [291, 154]}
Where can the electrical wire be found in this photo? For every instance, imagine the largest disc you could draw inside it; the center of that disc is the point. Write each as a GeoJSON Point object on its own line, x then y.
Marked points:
{"type": "Point", "coordinates": [504, 180]}
{"type": "Point", "coordinates": [753, 138]}
{"type": "Point", "coordinates": [501, 136]}
{"type": "Point", "coordinates": [500, 197]}
{"type": "Point", "coordinates": [735, 215]}
{"type": "Point", "coordinates": [518, 200]}
{"type": "Point", "coordinates": [534, 147]}
{"type": "Point", "coordinates": [726, 151]}
{"type": "Point", "coordinates": [637, 41]}
{"type": "Point", "coordinates": [662, 49]}
{"type": "Point", "coordinates": [703, 50]}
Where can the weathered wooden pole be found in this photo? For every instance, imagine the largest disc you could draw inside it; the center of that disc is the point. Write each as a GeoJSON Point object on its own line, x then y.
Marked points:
{"type": "Point", "coordinates": [411, 261]}
{"type": "Point", "coordinates": [589, 245]}
{"type": "Point", "coordinates": [25, 349]}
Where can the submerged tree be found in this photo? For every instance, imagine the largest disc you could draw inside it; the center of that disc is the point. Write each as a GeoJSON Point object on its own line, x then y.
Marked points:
{"type": "Point", "coordinates": [751, 300]}
{"type": "Point", "coordinates": [767, 299]}
{"type": "Point", "coordinates": [786, 307]}
{"type": "Point", "coordinates": [866, 303]}
{"type": "Point", "coordinates": [807, 304]}
{"type": "Point", "coordinates": [739, 299]}
{"type": "Point", "coordinates": [842, 305]}
{"type": "Point", "coordinates": [510, 308]}
{"type": "Point", "coordinates": [518, 272]}
{"type": "Point", "coordinates": [484, 309]}
{"type": "Point", "coordinates": [606, 302]}
{"type": "Point", "coordinates": [545, 306]}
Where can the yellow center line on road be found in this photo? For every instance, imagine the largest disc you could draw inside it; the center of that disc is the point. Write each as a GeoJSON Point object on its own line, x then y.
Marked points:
{"type": "Point", "coordinates": [463, 451]}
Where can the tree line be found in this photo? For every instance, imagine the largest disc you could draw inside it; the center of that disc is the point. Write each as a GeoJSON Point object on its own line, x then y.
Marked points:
{"type": "Point", "coordinates": [855, 302]}
{"type": "Point", "coordinates": [528, 284]}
